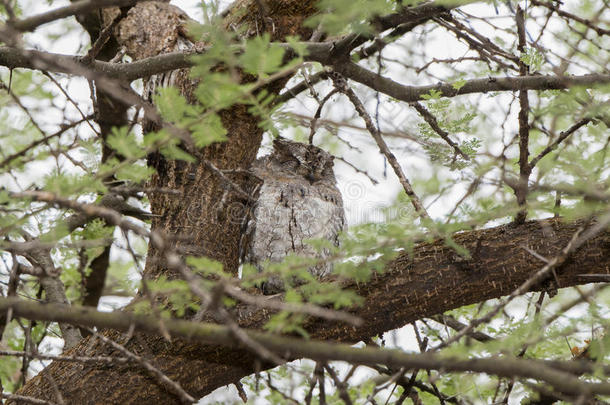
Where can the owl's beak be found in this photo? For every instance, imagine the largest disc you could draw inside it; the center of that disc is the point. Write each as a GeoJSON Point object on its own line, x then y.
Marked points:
{"type": "Point", "coordinates": [311, 177]}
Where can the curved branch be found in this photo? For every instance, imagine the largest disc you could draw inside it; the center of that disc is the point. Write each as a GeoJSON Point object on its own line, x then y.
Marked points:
{"type": "Point", "coordinates": [15, 58]}
{"type": "Point", "coordinates": [431, 280]}
{"type": "Point", "coordinates": [79, 7]}
{"type": "Point", "coordinates": [413, 93]}
{"type": "Point", "coordinates": [317, 350]}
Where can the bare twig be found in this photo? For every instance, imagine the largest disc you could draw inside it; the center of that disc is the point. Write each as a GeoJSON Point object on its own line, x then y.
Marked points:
{"type": "Point", "coordinates": [343, 394]}
{"type": "Point", "coordinates": [586, 22]}
{"type": "Point", "coordinates": [341, 85]}
{"type": "Point", "coordinates": [318, 113]}
{"type": "Point", "coordinates": [357, 169]}
{"type": "Point", "coordinates": [26, 399]}
{"type": "Point", "coordinates": [432, 121]}
{"type": "Point", "coordinates": [525, 169]}
{"type": "Point", "coordinates": [79, 7]}
{"type": "Point", "coordinates": [161, 377]}
{"type": "Point", "coordinates": [268, 302]}
{"type": "Point", "coordinates": [562, 136]}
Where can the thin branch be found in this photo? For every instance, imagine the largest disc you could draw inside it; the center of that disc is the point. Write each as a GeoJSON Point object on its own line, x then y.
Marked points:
{"type": "Point", "coordinates": [270, 303]}
{"type": "Point", "coordinates": [319, 373]}
{"type": "Point", "coordinates": [343, 393]}
{"type": "Point", "coordinates": [79, 7]}
{"type": "Point", "coordinates": [341, 84]}
{"type": "Point", "coordinates": [562, 137]}
{"type": "Point", "coordinates": [588, 191]}
{"type": "Point", "coordinates": [423, 345]}
{"type": "Point", "coordinates": [26, 399]}
{"type": "Point", "coordinates": [272, 387]}
{"type": "Point", "coordinates": [584, 21]}
{"type": "Point", "coordinates": [525, 170]}
{"type": "Point", "coordinates": [295, 90]}
{"type": "Point", "coordinates": [357, 169]}
{"type": "Point", "coordinates": [414, 93]}
{"type": "Point", "coordinates": [432, 121]}
{"type": "Point", "coordinates": [75, 359]}
{"type": "Point", "coordinates": [454, 324]}
{"type": "Point", "coordinates": [447, 61]}
{"type": "Point", "coordinates": [486, 51]}
{"type": "Point", "coordinates": [161, 377]}
{"type": "Point", "coordinates": [316, 116]}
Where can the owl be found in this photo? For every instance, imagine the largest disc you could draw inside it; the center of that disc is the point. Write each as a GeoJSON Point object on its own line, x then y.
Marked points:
{"type": "Point", "coordinates": [298, 200]}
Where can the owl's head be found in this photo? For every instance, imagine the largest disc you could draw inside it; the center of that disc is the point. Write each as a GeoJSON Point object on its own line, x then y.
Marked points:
{"type": "Point", "coordinates": [308, 161]}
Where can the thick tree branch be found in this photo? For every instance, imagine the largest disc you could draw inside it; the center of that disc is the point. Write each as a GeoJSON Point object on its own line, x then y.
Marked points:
{"type": "Point", "coordinates": [15, 58]}
{"type": "Point", "coordinates": [556, 373]}
{"type": "Point", "coordinates": [79, 7]}
{"type": "Point", "coordinates": [430, 281]}
{"type": "Point", "coordinates": [414, 93]}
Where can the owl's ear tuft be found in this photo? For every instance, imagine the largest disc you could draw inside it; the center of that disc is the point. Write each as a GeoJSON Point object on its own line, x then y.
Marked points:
{"type": "Point", "coordinates": [280, 140]}
{"type": "Point", "coordinates": [281, 144]}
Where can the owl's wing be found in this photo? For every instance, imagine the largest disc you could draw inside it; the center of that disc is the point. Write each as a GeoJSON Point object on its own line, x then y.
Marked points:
{"type": "Point", "coordinates": [339, 224]}
{"type": "Point", "coordinates": [248, 227]}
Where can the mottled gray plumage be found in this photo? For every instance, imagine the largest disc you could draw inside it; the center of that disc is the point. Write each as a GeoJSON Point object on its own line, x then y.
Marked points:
{"type": "Point", "coordinates": [298, 200]}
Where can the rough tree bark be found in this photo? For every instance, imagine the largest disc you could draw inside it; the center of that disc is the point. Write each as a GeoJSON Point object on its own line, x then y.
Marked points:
{"type": "Point", "coordinates": [432, 280]}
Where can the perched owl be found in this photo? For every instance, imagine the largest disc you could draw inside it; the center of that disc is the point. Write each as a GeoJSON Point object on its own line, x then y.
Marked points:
{"type": "Point", "coordinates": [298, 200]}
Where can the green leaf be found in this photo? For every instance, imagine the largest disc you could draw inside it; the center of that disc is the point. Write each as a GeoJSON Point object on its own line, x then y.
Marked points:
{"type": "Point", "coordinates": [136, 173]}
{"type": "Point", "coordinates": [125, 143]}
{"type": "Point", "coordinates": [341, 16]}
{"type": "Point", "coordinates": [533, 58]}
{"type": "Point", "coordinates": [458, 84]}
{"type": "Point", "coordinates": [206, 266]}
{"type": "Point", "coordinates": [207, 130]}
{"type": "Point", "coordinates": [67, 185]}
{"type": "Point", "coordinates": [261, 57]}
{"type": "Point", "coordinates": [171, 104]}
{"type": "Point", "coordinates": [219, 90]}
{"type": "Point", "coordinates": [175, 152]}
{"type": "Point", "coordinates": [432, 95]}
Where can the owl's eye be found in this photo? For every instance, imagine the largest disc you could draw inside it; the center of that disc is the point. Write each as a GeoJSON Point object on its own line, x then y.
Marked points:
{"type": "Point", "coordinates": [289, 162]}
